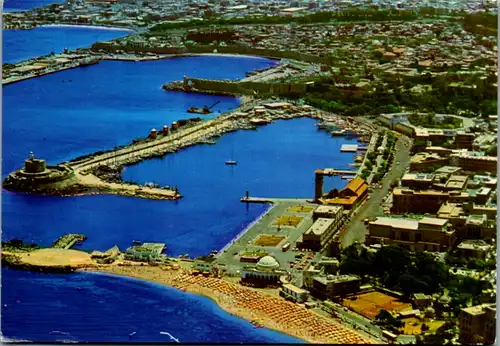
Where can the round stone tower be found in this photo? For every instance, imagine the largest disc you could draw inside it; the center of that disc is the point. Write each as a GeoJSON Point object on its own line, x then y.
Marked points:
{"type": "Point", "coordinates": [33, 165]}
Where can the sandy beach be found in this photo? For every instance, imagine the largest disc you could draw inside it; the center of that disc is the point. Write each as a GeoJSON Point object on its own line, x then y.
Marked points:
{"type": "Point", "coordinates": [259, 308]}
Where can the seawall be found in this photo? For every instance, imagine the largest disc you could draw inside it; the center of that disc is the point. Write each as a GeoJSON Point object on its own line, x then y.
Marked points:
{"type": "Point", "coordinates": [226, 87]}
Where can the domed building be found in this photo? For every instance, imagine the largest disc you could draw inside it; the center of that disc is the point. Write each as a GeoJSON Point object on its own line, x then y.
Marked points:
{"type": "Point", "coordinates": [267, 263]}
{"type": "Point", "coordinates": [266, 272]}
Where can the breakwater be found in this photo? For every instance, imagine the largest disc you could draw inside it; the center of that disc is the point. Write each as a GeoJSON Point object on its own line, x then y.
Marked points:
{"type": "Point", "coordinates": [67, 241]}
{"type": "Point", "coordinates": [231, 88]}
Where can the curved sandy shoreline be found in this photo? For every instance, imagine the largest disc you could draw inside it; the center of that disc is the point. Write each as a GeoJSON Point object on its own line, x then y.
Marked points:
{"type": "Point", "coordinates": [99, 27]}
{"type": "Point", "coordinates": [259, 308]}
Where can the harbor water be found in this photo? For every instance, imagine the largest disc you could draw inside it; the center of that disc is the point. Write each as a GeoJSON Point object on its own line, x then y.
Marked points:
{"type": "Point", "coordinates": [23, 5]}
{"type": "Point", "coordinates": [75, 112]}
{"type": "Point", "coordinates": [21, 45]}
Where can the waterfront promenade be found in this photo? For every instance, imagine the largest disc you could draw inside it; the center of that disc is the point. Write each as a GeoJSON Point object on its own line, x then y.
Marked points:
{"type": "Point", "coordinates": [266, 225]}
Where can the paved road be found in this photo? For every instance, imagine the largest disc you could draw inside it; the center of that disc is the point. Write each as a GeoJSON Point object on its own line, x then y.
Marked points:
{"type": "Point", "coordinates": [356, 230]}
{"type": "Point", "coordinates": [359, 322]}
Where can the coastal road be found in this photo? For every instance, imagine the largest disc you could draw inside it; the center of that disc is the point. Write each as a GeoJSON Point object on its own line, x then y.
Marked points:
{"type": "Point", "coordinates": [356, 229]}
{"type": "Point", "coordinates": [358, 322]}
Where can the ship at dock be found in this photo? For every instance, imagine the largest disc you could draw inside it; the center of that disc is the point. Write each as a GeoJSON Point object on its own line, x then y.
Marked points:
{"type": "Point", "coordinates": [90, 61]}
{"type": "Point", "coordinates": [204, 110]}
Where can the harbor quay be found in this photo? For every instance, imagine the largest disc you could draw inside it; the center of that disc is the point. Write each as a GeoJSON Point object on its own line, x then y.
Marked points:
{"type": "Point", "coordinates": [82, 175]}
{"type": "Point", "coordinates": [270, 233]}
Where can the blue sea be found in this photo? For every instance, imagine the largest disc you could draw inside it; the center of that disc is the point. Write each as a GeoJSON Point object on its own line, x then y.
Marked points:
{"type": "Point", "coordinates": [19, 44]}
{"type": "Point", "coordinates": [23, 5]}
{"type": "Point", "coordinates": [79, 111]}
{"type": "Point", "coordinates": [43, 307]}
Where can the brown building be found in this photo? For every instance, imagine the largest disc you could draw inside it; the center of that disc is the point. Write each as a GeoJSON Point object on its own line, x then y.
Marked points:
{"type": "Point", "coordinates": [422, 161]}
{"type": "Point", "coordinates": [475, 163]}
{"type": "Point", "coordinates": [418, 181]}
{"type": "Point", "coordinates": [420, 202]}
{"type": "Point", "coordinates": [476, 227]}
{"type": "Point", "coordinates": [478, 324]}
{"type": "Point", "coordinates": [318, 234]}
{"type": "Point", "coordinates": [421, 300]}
{"type": "Point", "coordinates": [350, 196]}
{"type": "Point", "coordinates": [456, 183]}
{"type": "Point", "coordinates": [454, 213]}
{"type": "Point", "coordinates": [327, 287]}
{"type": "Point", "coordinates": [428, 234]}
{"type": "Point", "coordinates": [328, 212]}
{"type": "Point", "coordinates": [473, 249]}
{"type": "Point", "coordinates": [464, 140]}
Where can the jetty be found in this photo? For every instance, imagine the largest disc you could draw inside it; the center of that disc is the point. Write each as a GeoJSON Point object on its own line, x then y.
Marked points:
{"type": "Point", "coordinates": [100, 172]}
{"type": "Point", "coordinates": [334, 172]}
{"type": "Point", "coordinates": [67, 241]}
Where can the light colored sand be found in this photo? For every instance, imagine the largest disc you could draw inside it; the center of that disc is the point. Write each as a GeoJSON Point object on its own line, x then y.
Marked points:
{"type": "Point", "coordinates": [93, 181]}
{"type": "Point", "coordinates": [55, 257]}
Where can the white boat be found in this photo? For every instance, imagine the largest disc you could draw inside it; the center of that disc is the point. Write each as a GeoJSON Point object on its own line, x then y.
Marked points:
{"type": "Point", "coordinates": [231, 162]}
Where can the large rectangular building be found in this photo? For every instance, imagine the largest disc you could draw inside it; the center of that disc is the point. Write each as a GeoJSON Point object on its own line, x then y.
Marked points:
{"type": "Point", "coordinates": [420, 202]}
{"type": "Point", "coordinates": [422, 161]}
{"type": "Point", "coordinates": [427, 234]}
{"type": "Point", "coordinates": [478, 324]}
{"type": "Point", "coordinates": [319, 234]}
{"type": "Point", "coordinates": [329, 212]}
{"type": "Point", "coordinates": [475, 162]}
{"type": "Point", "coordinates": [330, 286]}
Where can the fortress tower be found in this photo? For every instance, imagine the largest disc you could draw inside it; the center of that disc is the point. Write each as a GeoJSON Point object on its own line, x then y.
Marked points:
{"type": "Point", "coordinates": [33, 165]}
{"type": "Point", "coordinates": [318, 184]}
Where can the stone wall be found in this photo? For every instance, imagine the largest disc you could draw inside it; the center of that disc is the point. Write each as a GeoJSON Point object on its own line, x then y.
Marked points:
{"type": "Point", "coordinates": [110, 47]}
{"type": "Point", "coordinates": [245, 88]}
{"type": "Point", "coordinates": [60, 178]}
{"type": "Point", "coordinates": [269, 53]}
{"type": "Point", "coordinates": [230, 49]}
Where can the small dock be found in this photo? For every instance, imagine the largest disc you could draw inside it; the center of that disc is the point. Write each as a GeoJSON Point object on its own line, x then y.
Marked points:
{"type": "Point", "coordinates": [256, 200]}
{"type": "Point", "coordinates": [331, 171]}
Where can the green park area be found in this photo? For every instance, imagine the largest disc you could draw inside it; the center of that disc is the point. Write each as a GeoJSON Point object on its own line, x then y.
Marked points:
{"type": "Point", "coordinates": [430, 120]}
{"type": "Point", "coordinates": [299, 209]}
{"type": "Point", "coordinates": [268, 240]}
{"type": "Point", "coordinates": [288, 220]}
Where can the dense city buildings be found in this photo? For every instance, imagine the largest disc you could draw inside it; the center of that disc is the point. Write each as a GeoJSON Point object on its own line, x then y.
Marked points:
{"type": "Point", "coordinates": [402, 250]}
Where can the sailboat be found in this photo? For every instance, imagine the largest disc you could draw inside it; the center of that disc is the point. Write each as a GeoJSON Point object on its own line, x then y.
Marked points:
{"type": "Point", "coordinates": [232, 161]}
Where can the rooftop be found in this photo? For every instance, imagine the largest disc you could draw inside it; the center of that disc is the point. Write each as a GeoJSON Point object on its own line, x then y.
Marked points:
{"type": "Point", "coordinates": [320, 226]}
{"type": "Point", "coordinates": [478, 309]}
{"type": "Point", "coordinates": [396, 223]}
{"type": "Point", "coordinates": [418, 176]}
{"type": "Point", "coordinates": [450, 210]}
{"type": "Point", "coordinates": [294, 288]}
{"type": "Point", "coordinates": [433, 221]}
{"type": "Point", "coordinates": [328, 209]}
{"type": "Point", "coordinates": [480, 245]}
{"type": "Point", "coordinates": [335, 278]}
{"type": "Point", "coordinates": [476, 219]}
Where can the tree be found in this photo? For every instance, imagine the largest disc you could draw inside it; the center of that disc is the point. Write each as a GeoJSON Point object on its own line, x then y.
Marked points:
{"type": "Point", "coordinates": [356, 260]}
{"type": "Point", "coordinates": [442, 335]}
{"type": "Point", "coordinates": [385, 318]}
{"type": "Point", "coordinates": [390, 263]}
